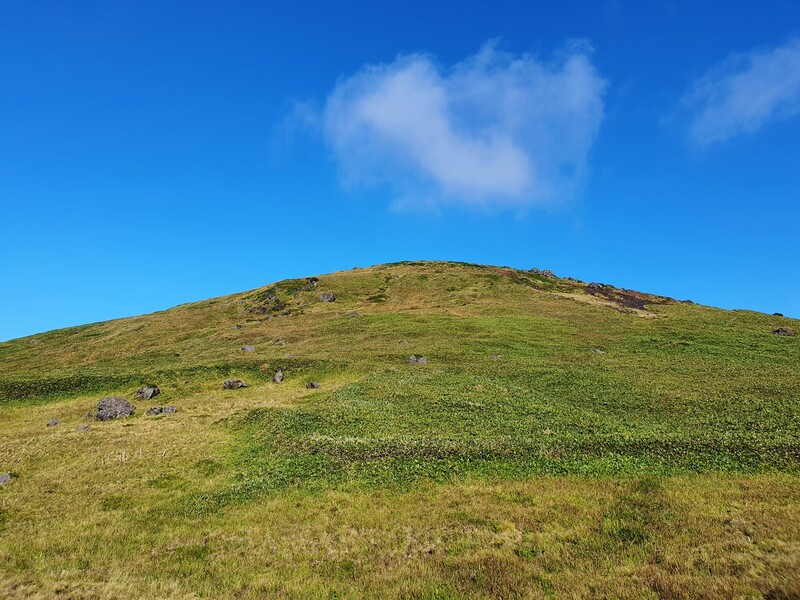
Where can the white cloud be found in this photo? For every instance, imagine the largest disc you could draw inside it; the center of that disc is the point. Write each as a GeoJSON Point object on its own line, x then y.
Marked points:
{"type": "Point", "coordinates": [496, 128]}
{"type": "Point", "coordinates": [745, 92]}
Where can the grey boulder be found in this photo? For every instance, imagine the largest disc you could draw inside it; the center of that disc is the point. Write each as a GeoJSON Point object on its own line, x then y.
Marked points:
{"type": "Point", "coordinates": [327, 297]}
{"type": "Point", "coordinates": [278, 378]}
{"type": "Point", "coordinates": [417, 360]}
{"type": "Point", "coordinates": [161, 410]}
{"type": "Point", "coordinates": [234, 384]}
{"type": "Point", "coordinates": [147, 392]}
{"type": "Point", "coordinates": [114, 407]}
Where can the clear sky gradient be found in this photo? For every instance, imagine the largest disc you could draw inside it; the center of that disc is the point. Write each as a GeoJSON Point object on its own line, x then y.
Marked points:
{"type": "Point", "coordinates": [159, 152]}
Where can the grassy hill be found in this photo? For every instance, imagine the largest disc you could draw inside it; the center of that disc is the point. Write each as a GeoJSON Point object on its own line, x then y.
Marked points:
{"type": "Point", "coordinates": [560, 440]}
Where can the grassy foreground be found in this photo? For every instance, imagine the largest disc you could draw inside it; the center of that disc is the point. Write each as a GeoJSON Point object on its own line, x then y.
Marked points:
{"type": "Point", "coordinates": [560, 441]}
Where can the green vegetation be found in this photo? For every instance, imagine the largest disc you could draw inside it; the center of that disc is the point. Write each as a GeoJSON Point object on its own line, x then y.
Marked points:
{"type": "Point", "coordinates": [559, 442]}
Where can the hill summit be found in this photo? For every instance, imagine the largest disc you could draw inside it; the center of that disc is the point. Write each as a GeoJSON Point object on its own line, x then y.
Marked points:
{"type": "Point", "coordinates": [417, 429]}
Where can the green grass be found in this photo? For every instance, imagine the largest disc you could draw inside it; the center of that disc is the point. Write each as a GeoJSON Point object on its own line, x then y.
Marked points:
{"type": "Point", "coordinates": [606, 452]}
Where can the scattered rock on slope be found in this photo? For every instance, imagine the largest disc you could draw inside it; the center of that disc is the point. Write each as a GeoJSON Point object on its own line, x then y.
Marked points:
{"type": "Point", "coordinates": [327, 297]}
{"type": "Point", "coordinates": [159, 410]}
{"type": "Point", "coordinates": [278, 377]}
{"type": "Point", "coordinates": [53, 422]}
{"type": "Point", "coordinates": [248, 348]}
{"type": "Point", "coordinates": [234, 384]}
{"type": "Point", "coordinates": [312, 385]}
{"type": "Point", "coordinates": [783, 331]}
{"type": "Point", "coordinates": [114, 407]}
{"type": "Point", "coordinates": [83, 428]}
{"type": "Point", "coordinates": [417, 360]}
{"type": "Point", "coordinates": [147, 392]}
{"type": "Point", "coordinates": [5, 478]}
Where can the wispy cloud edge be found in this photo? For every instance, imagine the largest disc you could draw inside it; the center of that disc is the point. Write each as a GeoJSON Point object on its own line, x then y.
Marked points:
{"type": "Point", "coordinates": [745, 92]}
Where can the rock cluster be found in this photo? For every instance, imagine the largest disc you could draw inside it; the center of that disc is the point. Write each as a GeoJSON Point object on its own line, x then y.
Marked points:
{"type": "Point", "coordinates": [327, 297]}
{"type": "Point", "coordinates": [543, 273]}
{"type": "Point", "coordinates": [417, 360]}
{"type": "Point", "coordinates": [312, 385]}
{"type": "Point", "coordinates": [783, 331]}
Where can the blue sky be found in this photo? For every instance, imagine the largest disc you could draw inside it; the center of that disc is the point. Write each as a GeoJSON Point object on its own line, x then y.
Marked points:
{"type": "Point", "coordinates": [159, 152]}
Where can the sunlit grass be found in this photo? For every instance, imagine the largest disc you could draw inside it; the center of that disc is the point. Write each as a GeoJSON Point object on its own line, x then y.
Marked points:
{"type": "Point", "coordinates": [554, 444]}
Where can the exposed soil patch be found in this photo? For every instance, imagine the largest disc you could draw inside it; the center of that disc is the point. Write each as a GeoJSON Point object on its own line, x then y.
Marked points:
{"type": "Point", "coordinates": [626, 299]}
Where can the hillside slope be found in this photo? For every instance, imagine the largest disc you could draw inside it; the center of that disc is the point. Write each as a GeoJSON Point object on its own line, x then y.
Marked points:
{"type": "Point", "coordinates": [559, 438]}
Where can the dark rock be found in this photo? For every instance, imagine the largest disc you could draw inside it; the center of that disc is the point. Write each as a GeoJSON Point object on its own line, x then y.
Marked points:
{"type": "Point", "coordinates": [234, 384]}
{"type": "Point", "coordinates": [114, 407]}
{"type": "Point", "coordinates": [417, 360]}
{"type": "Point", "coordinates": [147, 392]}
{"type": "Point", "coordinates": [783, 331]}
{"type": "Point", "coordinates": [312, 385]}
{"type": "Point", "coordinates": [247, 348]}
{"type": "Point", "coordinates": [83, 428]}
{"type": "Point", "coordinates": [158, 410]}
{"type": "Point", "coordinates": [53, 422]}
{"type": "Point", "coordinates": [777, 315]}
{"type": "Point", "coordinates": [327, 297]}
{"type": "Point", "coordinates": [278, 377]}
